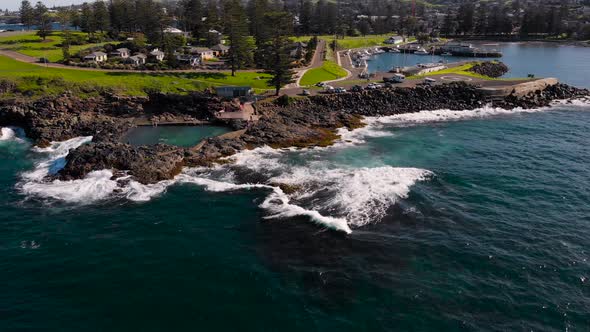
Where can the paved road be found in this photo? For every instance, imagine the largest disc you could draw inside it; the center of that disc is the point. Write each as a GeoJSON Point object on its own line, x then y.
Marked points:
{"type": "Point", "coordinates": [32, 60]}
{"type": "Point", "coordinates": [316, 61]}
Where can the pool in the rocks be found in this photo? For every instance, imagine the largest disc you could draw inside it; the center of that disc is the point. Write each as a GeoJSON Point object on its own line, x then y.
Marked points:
{"type": "Point", "coordinates": [173, 135]}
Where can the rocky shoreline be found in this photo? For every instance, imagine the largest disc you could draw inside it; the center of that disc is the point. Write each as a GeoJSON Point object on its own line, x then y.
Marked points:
{"type": "Point", "coordinates": [302, 122]}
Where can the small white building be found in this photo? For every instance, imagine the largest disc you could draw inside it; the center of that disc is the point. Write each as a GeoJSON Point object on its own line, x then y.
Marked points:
{"type": "Point", "coordinates": [157, 54]}
{"type": "Point", "coordinates": [122, 53]}
{"type": "Point", "coordinates": [137, 60]}
{"type": "Point", "coordinates": [203, 52]}
{"type": "Point", "coordinates": [220, 50]}
{"type": "Point", "coordinates": [96, 57]}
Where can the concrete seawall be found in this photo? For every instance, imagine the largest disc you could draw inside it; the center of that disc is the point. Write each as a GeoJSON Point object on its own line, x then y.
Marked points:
{"type": "Point", "coordinates": [519, 89]}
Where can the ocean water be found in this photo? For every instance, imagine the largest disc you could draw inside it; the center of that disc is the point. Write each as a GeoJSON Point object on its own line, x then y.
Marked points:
{"type": "Point", "coordinates": [173, 135]}
{"type": "Point", "coordinates": [567, 62]}
{"type": "Point", "coordinates": [435, 221]}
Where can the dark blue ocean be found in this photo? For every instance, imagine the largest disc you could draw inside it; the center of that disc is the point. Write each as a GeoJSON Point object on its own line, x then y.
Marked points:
{"type": "Point", "coordinates": [435, 221]}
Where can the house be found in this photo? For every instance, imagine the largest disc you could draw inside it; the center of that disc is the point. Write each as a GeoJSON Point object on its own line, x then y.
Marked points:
{"type": "Point", "coordinates": [122, 53]}
{"type": "Point", "coordinates": [173, 30]}
{"type": "Point", "coordinates": [137, 60]}
{"type": "Point", "coordinates": [233, 91]}
{"type": "Point", "coordinates": [220, 50]}
{"type": "Point", "coordinates": [157, 54]}
{"type": "Point", "coordinates": [395, 40]}
{"type": "Point", "coordinates": [96, 57]}
{"type": "Point", "coordinates": [190, 60]}
{"type": "Point", "coordinates": [203, 52]}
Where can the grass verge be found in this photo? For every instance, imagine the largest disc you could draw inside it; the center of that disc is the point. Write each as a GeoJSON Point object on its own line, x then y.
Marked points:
{"type": "Point", "coordinates": [32, 45]}
{"type": "Point", "coordinates": [38, 80]}
{"type": "Point", "coordinates": [327, 72]}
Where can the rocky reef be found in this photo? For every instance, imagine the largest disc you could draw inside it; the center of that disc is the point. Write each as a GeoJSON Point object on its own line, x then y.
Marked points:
{"type": "Point", "coordinates": [490, 68]}
{"type": "Point", "coordinates": [302, 122]}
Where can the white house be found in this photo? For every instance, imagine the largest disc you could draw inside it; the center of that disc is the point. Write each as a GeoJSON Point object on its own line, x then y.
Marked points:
{"type": "Point", "coordinates": [137, 60]}
{"type": "Point", "coordinates": [203, 52]}
{"type": "Point", "coordinates": [121, 53]}
{"type": "Point", "coordinates": [157, 54]}
{"type": "Point", "coordinates": [220, 50]}
{"type": "Point", "coordinates": [96, 57]}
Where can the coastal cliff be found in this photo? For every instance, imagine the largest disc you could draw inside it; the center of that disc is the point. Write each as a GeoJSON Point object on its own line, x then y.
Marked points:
{"type": "Point", "coordinates": [302, 122]}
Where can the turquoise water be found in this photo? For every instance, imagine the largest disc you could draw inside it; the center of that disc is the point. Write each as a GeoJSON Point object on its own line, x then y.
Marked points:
{"type": "Point", "coordinates": [173, 135]}
{"type": "Point", "coordinates": [459, 221]}
{"type": "Point", "coordinates": [495, 238]}
{"type": "Point", "coordinates": [569, 63]}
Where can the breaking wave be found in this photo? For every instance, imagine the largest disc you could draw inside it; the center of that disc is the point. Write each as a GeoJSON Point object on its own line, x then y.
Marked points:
{"type": "Point", "coordinates": [334, 195]}
{"type": "Point", "coordinates": [12, 134]}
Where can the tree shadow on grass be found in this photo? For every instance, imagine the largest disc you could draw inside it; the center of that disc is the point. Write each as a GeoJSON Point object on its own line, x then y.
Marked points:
{"type": "Point", "coordinates": [180, 75]}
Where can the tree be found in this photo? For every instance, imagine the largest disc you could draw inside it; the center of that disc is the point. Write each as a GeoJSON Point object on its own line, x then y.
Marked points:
{"type": "Point", "coordinates": [192, 17]}
{"type": "Point", "coordinates": [278, 64]}
{"type": "Point", "coordinates": [364, 27]}
{"type": "Point", "coordinates": [101, 16]}
{"type": "Point", "coordinates": [236, 29]}
{"type": "Point", "coordinates": [27, 14]}
{"type": "Point", "coordinates": [212, 15]}
{"type": "Point", "coordinates": [465, 17]}
{"type": "Point", "coordinates": [449, 26]}
{"type": "Point", "coordinates": [305, 17]}
{"type": "Point", "coordinates": [87, 22]}
{"type": "Point", "coordinates": [43, 20]}
{"type": "Point", "coordinates": [64, 17]}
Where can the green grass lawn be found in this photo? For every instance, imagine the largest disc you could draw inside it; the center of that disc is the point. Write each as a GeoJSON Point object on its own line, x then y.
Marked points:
{"type": "Point", "coordinates": [328, 71]}
{"type": "Point", "coordinates": [463, 70]}
{"type": "Point", "coordinates": [32, 45]}
{"type": "Point", "coordinates": [39, 80]}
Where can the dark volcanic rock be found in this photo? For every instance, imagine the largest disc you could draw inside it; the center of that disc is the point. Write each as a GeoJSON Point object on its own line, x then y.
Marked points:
{"type": "Point", "coordinates": [303, 122]}
{"type": "Point", "coordinates": [147, 164]}
{"type": "Point", "coordinates": [490, 68]}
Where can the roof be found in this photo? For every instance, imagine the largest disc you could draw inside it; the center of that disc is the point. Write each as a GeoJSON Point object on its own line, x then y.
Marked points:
{"type": "Point", "coordinates": [138, 56]}
{"type": "Point", "coordinates": [220, 47]}
{"type": "Point", "coordinates": [200, 49]}
{"type": "Point", "coordinates": [247, 88]}
{"type": "Point", "coordinates": [95, 54]}
{"type": "Point", "coordinates": [122, 50]}
{"type": "Point", "coordinates": [156, 52]}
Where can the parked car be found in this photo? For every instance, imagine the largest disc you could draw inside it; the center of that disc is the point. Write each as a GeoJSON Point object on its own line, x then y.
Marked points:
{"type": "Point", "coordinates": [371, 86]}
{"type": "Point", "coordinates": [306, 92]}
{"type": "Point", "coordinates": [378, 86]}
{"type": "Point", "coordinates": [340, 90]}
{"type": "Point", "coordinates": [43, 60]}
{"type": "Point", "coordinates": [357, 88]}
{"type": "Point", "coordinates": [329, 89]}
{"type": "Point", "coordinates": [321, 84]}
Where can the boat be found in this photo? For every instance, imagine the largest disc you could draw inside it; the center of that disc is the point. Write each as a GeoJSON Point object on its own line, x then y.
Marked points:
{"type": "Point", "coordinates": [395, 50]}
{"type": "Point", "coordinates": [447, 54]}
{"type": "Point", "coordinates": [421, 51]}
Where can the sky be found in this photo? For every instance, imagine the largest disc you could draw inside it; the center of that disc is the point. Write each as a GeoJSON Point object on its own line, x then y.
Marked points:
{"type": "Point", "coordinates": [14, 4]}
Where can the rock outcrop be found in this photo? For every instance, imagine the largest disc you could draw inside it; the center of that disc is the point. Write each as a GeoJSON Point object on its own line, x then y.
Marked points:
{"type": "Point", "coordinates": [490, 68]}
{"type": "Point", "coordinates": [303, 122]}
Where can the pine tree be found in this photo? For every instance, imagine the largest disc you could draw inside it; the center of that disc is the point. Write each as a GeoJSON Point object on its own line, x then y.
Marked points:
{"type": "Point", "coordinates": [192, 17]}
{"type": "Point", "coordinates": [43, 20]}
{"type": "Point", "coordinates": [277, 48]}
{"type": "Point", "coordinates": [27, 14]}
{"type": "Point", "coordinates": [236, 29]}
{"type": "Point", "coordinates": [101, 16]}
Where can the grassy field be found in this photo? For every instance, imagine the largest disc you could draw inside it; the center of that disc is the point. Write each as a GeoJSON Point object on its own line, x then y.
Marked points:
{"type": "Point", "coordinates": [38, 80]}
{"type": "Point", "coordinates": [32, 45]}
{"type": "Point", "coordinates": [463, 70]}
{"type": "Point", "coordinates": [328, 71]}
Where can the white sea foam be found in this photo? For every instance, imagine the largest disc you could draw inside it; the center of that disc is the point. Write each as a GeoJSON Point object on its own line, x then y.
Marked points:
{"type": "Point", "coordinates": [95, 186]}
{"type": "Point", "coordinates": [11, 134]}
{"type": "Point", "coordinates": [360, 195]}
